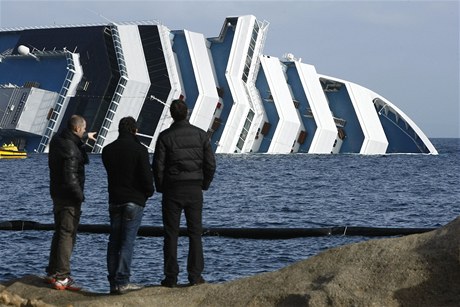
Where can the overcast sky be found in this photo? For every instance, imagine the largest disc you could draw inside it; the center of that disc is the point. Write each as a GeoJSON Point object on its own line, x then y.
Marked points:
{"type": "Point", "coordinates": [406, 51]}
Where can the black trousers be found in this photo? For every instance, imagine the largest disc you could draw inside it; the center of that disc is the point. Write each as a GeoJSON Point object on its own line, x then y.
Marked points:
{"type": "Point", "coordinates": [190, 200]}
{"type": "Point", "coordinates": [66, 219]}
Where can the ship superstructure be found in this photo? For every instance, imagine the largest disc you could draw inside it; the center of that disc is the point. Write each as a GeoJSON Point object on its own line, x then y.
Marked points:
{"type": "Point", "coordinates": [247, 101]}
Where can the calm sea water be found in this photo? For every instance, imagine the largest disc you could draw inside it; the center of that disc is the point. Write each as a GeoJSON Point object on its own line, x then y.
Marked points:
{"type": "Point", "coordinates": [253, 190]}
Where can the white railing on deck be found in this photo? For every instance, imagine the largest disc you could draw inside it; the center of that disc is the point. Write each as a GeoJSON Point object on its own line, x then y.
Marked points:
{"type": "Point", "coordinates": [115, 102]}
{"type": "Point", "coordinates": [55, 115]}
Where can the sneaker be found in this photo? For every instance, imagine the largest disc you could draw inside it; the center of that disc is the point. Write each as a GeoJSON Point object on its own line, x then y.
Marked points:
{"type": "Point", "coordinates": [66, 284]}
{"type": "Point", "coordinates": [49, 279]}
{"type": "Point", "coordinates": [200, 280]}
{"type": "Point", "coordinates": [170, 283]}
{"type": "Point", "coordinates": [122, 289]}
{"type": "Point", "coordinates": [114, 289]}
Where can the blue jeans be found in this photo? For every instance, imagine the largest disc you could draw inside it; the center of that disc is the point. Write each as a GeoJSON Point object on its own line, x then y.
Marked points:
{"type": "Point", "coordinates": [125, 220]}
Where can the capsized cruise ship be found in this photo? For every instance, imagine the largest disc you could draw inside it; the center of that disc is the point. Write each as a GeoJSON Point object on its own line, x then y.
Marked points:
{"type": "Point", "coordinates": [247, 101]}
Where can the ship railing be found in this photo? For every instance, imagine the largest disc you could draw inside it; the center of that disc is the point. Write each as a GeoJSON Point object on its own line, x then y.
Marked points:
{"type": "Point", "coordinates": [252, 93]}
{"type": "Point", "coordinates": [165, 37]}
{"type": "Point", "coordinates": [108, 120]}
{"type": "Point", "coordinates": [37, 54]}
{"type": "Point", "coordinates": [165, 119]}
{"type": "Point", "coordinates": [384, 114]}
{"type": "Point", "coordinates": [55, 115]}
{"type": "Point", "coordinates": [115, 102]}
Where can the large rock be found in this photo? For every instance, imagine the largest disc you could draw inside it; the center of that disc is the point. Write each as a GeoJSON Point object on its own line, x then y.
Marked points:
{"type": "Point", "coordinates": [416, 270]}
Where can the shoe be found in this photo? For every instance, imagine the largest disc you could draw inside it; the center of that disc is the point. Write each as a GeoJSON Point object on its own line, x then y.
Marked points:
{"type": "Point", "coordinates": [114, 289]}
{"type": "Point", "coordinates": [170, 283]}
{"type": "Point", "coordinates": [49, 279]}
{"type": "Point", "coordinates": [122, 289]}
{"type": "Point", "coordinates": [65, 284]}
{"type": "Point", "coordinates": [198, 281]}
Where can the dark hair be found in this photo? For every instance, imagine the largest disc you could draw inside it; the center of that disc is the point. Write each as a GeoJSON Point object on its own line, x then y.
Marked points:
{"type": "Point", "coordinates": [178, 109]}
{"type": "Point", "coordinates": [75, 121]}
{"type": "Point", "coordinates": [127, 124]}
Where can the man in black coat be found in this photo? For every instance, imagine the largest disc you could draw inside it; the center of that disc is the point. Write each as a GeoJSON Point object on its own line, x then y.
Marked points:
{"type": "Point", "coordinates": [66, 160]}
{"type": "Point", "coordinates": [130, 181]}
{"type": "Point", "coordinates": [183, 166]}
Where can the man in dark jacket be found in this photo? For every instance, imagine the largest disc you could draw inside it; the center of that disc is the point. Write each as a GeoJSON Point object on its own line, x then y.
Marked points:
{"type": "Point", "coordinates": [130, 180]}
{"type": "Point", "coordinates": [66, 160]}
{"type": "Point", "coordinates": [184, 165]}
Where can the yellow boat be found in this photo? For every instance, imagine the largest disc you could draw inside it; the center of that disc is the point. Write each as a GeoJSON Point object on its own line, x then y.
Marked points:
{"type": "Point", "coordinates": [11, 151]}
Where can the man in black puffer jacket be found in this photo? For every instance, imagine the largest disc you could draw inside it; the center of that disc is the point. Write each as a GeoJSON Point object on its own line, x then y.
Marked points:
{"type": "Point", "coordinates": [183, 166]}
{"type": "Point", "coordinates": [130, 179]}
{"type": "Point", "coordinates": [66, 160]}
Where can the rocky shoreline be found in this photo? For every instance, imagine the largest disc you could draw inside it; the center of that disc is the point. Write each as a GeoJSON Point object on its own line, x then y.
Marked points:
{"type": "Point", "coordinates": [414, 270]}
